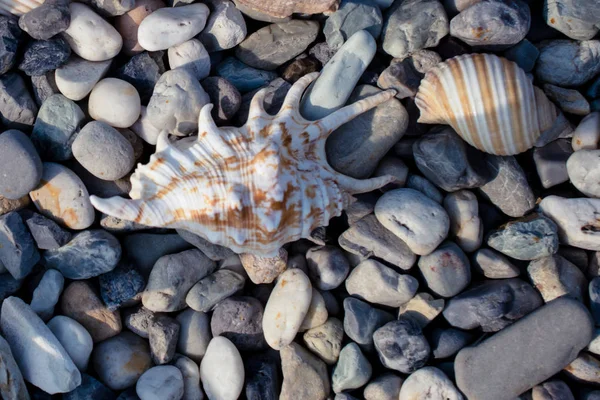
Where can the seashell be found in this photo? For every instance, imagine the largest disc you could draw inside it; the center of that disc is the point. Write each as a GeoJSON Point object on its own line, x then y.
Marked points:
{"type": "Point", "coordinates": [251, 189]}
{"type": "Point", "coordinates": [285, 8]}
{"type": "Point", "coordinates": [18, 7]}
{"type": "Point", "coordinates": [488, 100]}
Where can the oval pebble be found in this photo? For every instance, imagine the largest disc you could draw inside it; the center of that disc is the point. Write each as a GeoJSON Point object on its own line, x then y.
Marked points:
{"type": "Point", "coordinates": [77, 77]}
{"type": "Point", "coordinates": [446, 270]}
{"type": "Point", "coordinates": [465, 225]}
{"type": "Point", "coordinates": [163, 382]}
{"type": "Point", "coordinates": [194, 333]}
{"type": "Point", "coordinates": [587, 133]}
{"type": "Point", "coordinates": [21, 167]}
{"type": "Point", "coordinates": [327, 267]}
{"type": "Point", "coordinates": [222, 370]}
{"type": "Point", "coordinates": [191, 377]}
{"type": "Point", "coordinates": [316, 314]}
{"type": "Point", "coordinates": [192, 56]}
{"type": "Point", "coordinates": [46, 294]}
{"type": "Point", "coordinates": [115, 102]}
{"type": "Point", "coordinates": [75, 339]}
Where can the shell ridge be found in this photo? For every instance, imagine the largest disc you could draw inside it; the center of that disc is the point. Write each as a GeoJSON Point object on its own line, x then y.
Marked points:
{"type": "Point", "coordinates": [476, 101]}
{"type": "Point", "coordinates": [455, 103]}
{"type": "Point", "coordinates": [500, 105]}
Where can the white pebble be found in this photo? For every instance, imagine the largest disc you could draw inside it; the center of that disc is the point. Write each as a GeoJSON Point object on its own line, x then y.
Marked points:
{"type": "Point", "coordinates": [164, 382]}
{"type": "Point", "coordinates": [191, 377]}
{"type": "Point", "coordinates": [584, 171]}
{"type": "Point", "coordinates": [192, 56]}
{"type": "Point", "coordinates": [225, 28]}
{"type": "Point", "coordinates": [316, 314]}
{"type": "Point", "coordinates": [222, 370]}
{"type": "Point", "coordinates": [587, 133]}
{"type": "Point", "coordinates": [429, 383]}
{"type": "Point", "coordinates": [115, 102]}
{"type": "Point", "coordinates": [77, 77]}
{"type": "Point", "coordinates": [466, 226]}
{"type": "Point", "coordinates": [76, 340]}
{"type": "Point", "coordinates": [144, 128]}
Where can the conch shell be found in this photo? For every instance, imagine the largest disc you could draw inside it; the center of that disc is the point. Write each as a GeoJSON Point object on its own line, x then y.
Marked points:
{"type": "Point", "coordinates": [18, 7]}
{"type": "Point", "coordinates": [251, 189]}
{"type": "Point", "coordinates": [285, 8]}
{"type": "Point", "coordinates": [488, 100]}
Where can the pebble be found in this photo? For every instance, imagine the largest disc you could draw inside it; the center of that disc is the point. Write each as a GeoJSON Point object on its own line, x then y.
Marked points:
{"type": "Point", "coordinates": [594, 296]}
{"type": "Point", "coordinates": [401, 345]}
{"type": "Point", "coordinates": [492, 305]}
{"type": "Point", "coordinates": [568, 62]}
{"type": "Point", "coordinates": [143, 72]}
{"type": "Point", "coordinates": [138, 319]}
{"type": "Point", "coordinates": [363, 206]}
{"type": "Point", "coordinates": [327, 267]}
{"type": "Point", "coordinates": [111, 8]}
{"type": "Point", "coordinates": [264, 269]}
{"type": "Point", "coordinates": [239, 319]}
{"type": "Point", "coordinates": [562, 15]}
{"type": "Point", "coordinates": [21, 168]}
{"type": "Point", "coordinates": [400, 76]}
{"type": "Point", "coordinates": [304, 375]}
{"type": "Point", "coordinates": [163, 382]}
{"type": "Point", "coordinates": [555, 276]}
{"type": "Point", "coordinates": [317, 312]}
{"type": "Point", "coordinates": [361, 321]}
{"type": "Point", "coordinates": [17, 108]}
{"type": "Point", "coordinates": [352, 370]}
{"type": "Point", "coordinates": [11, 36]}
{"type": "Point", "coordinates": [192, 56]}
{"type": "Point", "coordinates": [587, 134]}
{"type": "Point", "coordinates": [44, 56]}
{"type": "Point", "coordinates": [494, 265]}
{"type": "Point", "coordinates": [447, 161]}
{"type": "Point", "coordinates": [526, 353]}
{"type": "Point", "coordinates": [339, 76]}
{"type": "Point", "coordinates": [222, 370]}
{"type": "Point", "coordinates": [447, 342]}
{"type": "Point", "coordinates": [185, 98]}
{"type": "Point", "coordinates": [551, 162]}
{"type": "Point", "coordinates": [18, 252]}
{"type": "Point", "coordinates": [322, 52]}
{"type": "Point", "coordinates": [13, 387]}
{"type": "Point", "coordinates": [77, 77]}
{"type": "Point", "coordinates": [46, 294]}
{"type": "Point", "coordinates": [225, 28]}
{"type": "Point", "coordinates": [128, 23]}
{"type": "Point", "coordinates": [351, 17]}
{"type": "Point", "coordinates": [356, 147]}
{"type": "Point", "coordinates": [212, 289]}
{"type": "Point", "coordinates": [383, 387]}
{"type": "Point", "coordinates": [396, 168]}
{"type": "Point", "coordinates": [416, 219]}
{"type": "Point", "coordinates": [263, 379]}
{"type": "Point", "coordinates": [90, 36]}
{"type": "Point", "coordinates": [210, 250]}
{"type": "Point", "coordinates": [8, 285]}
{"type": "Point", "coordinates": [524, 53]}
{"type": "Point", "coordinates": [115, 102]}
{"type": "Point", "coordinates": [74, 338]}
{"type": "Point", "coordinates": [90, 253]}
{"type": "Point", "coordinates": [275, 93]}
{"type": "Point", "coordinates": [585, 369]}
{"type": "Point", "coordinates": [243, 77]}
{"type": "Point", "coordinates": [121, 360]}
{"type": "Point", "coordinates": [300, 67]}
{"type": "Point", "coordinates": [528, 238]}
{"type": "Point", "coordinates": [172, 277]}
{"type": "Point", "coordinates": [168, 27]}
{"type": "Point", "coordinates": [191, 377]}
{"type": "Point", "coordinates": [429, 382]}
{"type": "Point", "coordinates": [144, 128]}
{"type": "Point", "coordinates": [570, 101]}
{"type": "Point", "coordinates": [100, 187]}
{"type": "Point", "coordinates": [583, 171]}
{"type": "Point", "coordinates": [80, 302]}
{"type": "Point", "coordinates": [43, 87]}
{"type": "Point", "coordinates": [41, 358]}
{"type": "Point", "coordinates": [446, 270]}
{"type": "Point", "coordinates": [374, 282]}
{"type": "Point", "coordinates": [465, 225]}
{"type": "Point", "coordinates": [424, 186]}
{"type": "Point", "coordinates": [194, 334]}
{"type": "Point", "coordinates": [90, 388]}
{"type": "Point", "coordinates": [163, 332]}
{"type": "Point", "coordinates": [325, 340]}
{"type": "Point", "coordinates": [225, 98]}
{"type": "Point", "coordinates": [274, 45]}
{"type": "Point", "coordinates": [144, 249]}
{"type": "Point", "coordinates": [498, 24]}
{"type": "Point", "coordinates": [579, 257]}
{"type": "Point", "coordinates": [422, 308]}
{"type": "Point", "coordinates": [551, 390]}
{"type": "Point", "coordinates": [412, 26]}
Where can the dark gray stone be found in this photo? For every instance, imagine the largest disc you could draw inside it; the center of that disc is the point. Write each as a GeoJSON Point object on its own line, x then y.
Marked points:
{"type": "Point", "coordinates": [351, 17]}
{"type": "Point", "coordinates": [17, 108]}
{"type": "Point", "coordinates": [17, 247]}
{"type": "Point", "coordinates": [242, 76]}
{"type": "Point", "coordinates": [363, 206]}
{"type": "Point", "coordinates": [300, 67]}
{"type": "Point", "coordinates": [594, 292]}
{"type": "Point", "coordinates": [43, 56]}
{"type": "Point", "coordinates": [144, 249]}
{"type": "Point", "coordinates": [89, 254]}
{"type": "Point", "coordinates": [401, 345]}
{"type": "Point", "coordinates": [21, 166]}
{"type": "Point", "coordinates": [263, 379]}
{"type": "Point", "coordinates": [47, 20]}
{"type": "Point", "coordinates": [528, 238]}
{"type": "Point", "coordinates": [276, 92]}
{"type": "Point", "coordinates": [120, 285]}
{"type": "Point", "coordinates": [447, 342]}
{"type": "Point", "coordinates": [327, 267]}
{"type": "Point", "coordinates": [13, 386]}
{"type": "Point", "coordinates": [352, 370]}
{"type": "Point", "coordinates": [142, 71]}
{"type": "Point", "coordinates": [552, 390]}
{"type": "Point", "coordinates": [212, 251]}
{"type": "Point", "coordinates": [90, 389]}
{"type": "Point", "coordinates": [129, 394]}
{"type": "Point", "coordinates": [400, 76]}
{"type": "Point", "coordinates": [322, 52]}
{"type": "Point", "coordinates": [447, 161]}
{"type": "Point", "coordinates": [218, 286]}
{"type": "Point", "coordinates": [551, 162]}
{"type": "Point", "coordinates": [492, 305]}
{"type": "Point", "coordinates": [361, 321]}
{"type": "Point", "coordinates": [224, 96]}
{"type": "Point", "coordinates": [524, 53]}
{"type": "Point", "coordinates": [48, 235]}
{"type": "Point", "coordinates": [44, 86]}
{"type": "Point", "coordinates": [239, 319]}
{"type": "Point", "coordinates": [100, 187]}
{"type": "Point", "coordinates": [424, 186]}
{"type": "Point", "coordinates": [137, 320]}
{"type": "Point", "coordinates": [163, 333]}
{"type": "Point", "coordinates": [494, 265]}
{"type": "Point", "coordinates": [11, 36]}
{"type": "Point", "coordinates": [526, 353]}
{"type": "Point", "coordinates": [8, 285]}
{"type": "Point", "coordinates": [446, 270]}
{"type": "Point", "coordinates": [568, 62]}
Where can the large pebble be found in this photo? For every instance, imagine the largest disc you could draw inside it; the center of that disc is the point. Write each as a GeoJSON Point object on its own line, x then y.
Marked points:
{"type": "Point", "coordinates": [128, 23]}
{"type": "Point", "coordinates": [429, 382]}
{"type": "Point", "coordinates": [351, 17]}
{"type": "Point", "coordinates": [361, 321]}
{"type": "Point", "coordinates": [376, 283]}
{"type": "Point", "coordinates": [17, 108]}
{"type": "Point", "coordinates": [43, 56]}
{"type": "Point", "coordinates": [401, 345]}
{"type": "Point", "coordinates": [327, 267]}
{"type": "Point", "coordinates": [326, 340]}
{"type": "Point", "coordinates": [46, 294]}
{"type": "Point", "coordinates": [192, 56]}
{"type": "Point", "coordinates": [352, 370]}
{"type": "Point", "coordinates": [465, 225]}
{"type": "Point", "coordinates": [21, 168]}
{"type": "Point", "coordinates": [239, 319]}
{"type": "Point", "coordinates": [90, 36]}
{"type": "Point", "coordinates": [13, 385]}
{"type": "Point", "coordinates": [416, 219]}
{"type": "Point", "coordinates": [11, 36]}
{"type": "Point", "coordinates": [176, 102]}
{"type": "Point", "coordinates": [172, 277]}
{"type": "Point", "coordinates": [43, 361]}
{"type": "Point", "coordinates": [494, 265]}
{"type": "Point", "coordinates": [222, 370]}
{"type": "Point", "coordinates": [77, 77]}
{"type": "Point", "coordinates": [526, 353]}
{"type": "Point", "coordinates": [446, 270]}
{"type": "Point", "coordinates": [287, 306]}
{"type": "Point", "coordinates": [167, 27]}
{"type": "Point", "coordinates": [555, 276]}
{"type": "Point", "coordinates": [114, 102]}
{"type": "Point", "coordinates": [194, 334]}
{"type": "Point", "coordinates": [209, 291]}
{"type": "Point", "coordinates": [163, 382]}
{"type": "Point", "coordinates": [583, 171]}
{"type": "Point", "coordinates": [339, 76]}
{"type": "Point", "coordinates": [225, 28]}
{"type": "Point", "coordinates": [568, 62]}
{"type": "Point", "coordinates": [18, 253]}
{"type": "Point", "coordinates": [75, 339]}
{"type": "Point", "coordinates": [304, 375]}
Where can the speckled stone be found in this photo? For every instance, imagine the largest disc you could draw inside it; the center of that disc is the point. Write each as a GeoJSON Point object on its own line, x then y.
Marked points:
{"type": "Point", "coordinates": [239, 319]}
{"type": "Point", "coordinates": [401, 345]}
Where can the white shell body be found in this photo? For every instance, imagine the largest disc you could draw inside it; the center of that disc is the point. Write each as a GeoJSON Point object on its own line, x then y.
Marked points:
{"type": "Point", "coordinates": [18, 7]}
{"type": "Point", "coordinates": [251, 189]}
{"type": "Point", "coordinates": [488, 100]}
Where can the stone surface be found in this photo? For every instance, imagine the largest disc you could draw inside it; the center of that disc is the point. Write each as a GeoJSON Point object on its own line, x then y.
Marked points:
{"type": "Point", "coordinates": [225, 28]}
{"type": "Point", "coordinates": [264, 269]}
{"type": "Point", "coordinates": [90, 388]}
{"type": "Point", "coordinates": [143, 72]}
{"type": "Point", "coordinates": [327, 267]}
{"type": "Point", "coordinates": [128, 23]}
{"type": "Point", "coordinates": [46, 233]}
{"type": "Point", "coordinates": [352, 370]}
{"type": "Point", "coordinates": [429, 382]}
{"type": "Point", "coordinates": [568, 62]}
{"type": "Point", "coordinates": [144, 249]}
{"type": "Point", "coordinates": [224, 96]}
{"type": "Point", "coordinates": [554, 277]}
{"type": "Point", "coordinates": [144, 128]}
{"type": "Point", "coordinates": [401, 345]}
{"type": "Point", "coordinates": [566, 16]}
{"type": "Point", "coordinates": [212, 289]}
{"type": "Point", "coordinates": [361, 321]}
{"type": "Point", "coordinates": [194, 334]}
{"type": "Point", "coordinates": [584, 369]}
{"type": "Point", "coordinates": [192, 56]}
{"type": "Point", "coordinates": [18, 253]}
{"type": "Point", "coordinates": [587, 134]}
{"type": "Point", "coordinates": [447, 342]}
{"type": "Point", "coordinates": [594, 296]}
{"type": "Point", "coordinates": [115, 102]}
{"type": "Point", "coordinates": [242, 76]}
{"type": "Point", "coordinates": [17, 108]}
{"type": "Point", "coordinates": [551, 390]}
{"type": "Point", "coordinates": [423, 308]}
{"type": "Point", "coordinates": [446, 270]}
{"type": "Point", "coordinates": [524, 54]}
{"type": "Point", "coordinates": [400, 76]}
{"type": "Point", "coordinates": [46, 294]}
{"type": "Point", "coordinates": [222, 370]}
{"type": "Point", "coordinates": [13, 385]}
{"type": "Point", "coordinates": [351, 17]}
{"type": "Point", "coordinates": [74, 338]}
{"type": "Point", "coordinates": [163, 382]}
{"type": "Point", "coordinates": [11, 37]}
{"type": "Point", "coordinates": [210, 250]}
{"type": "Point", "coordinates": [77, 77]}
{"type": "Point", "coordinates": [383, 387]}
{"type": "Point", "coordinates": [424, 186]}
{"type": "Point", "coordinates": [43, 87]}
{"type": "Point", "coordinates": [263, 380]}
{"type": "Point", "coordinates": [163, 333]}
{"type": "Point", "coordinates": [570, 101]}
{"type": "Point", "coordinates": [317, 312]}
{"type": "Point", "coordinates": [326, 340]}
{"type": "Point", "coordinates": [526, 353]}
{"type": "Point", "coordinates": [465, 225]}
{"type": "Point", "coordinates": [191, 377]}
{"type": "Point", "coordinates": [239, 319]}
{"type": "Point", "coordinates": [494, 265]}
{"type": "Point", "coordinates": [551, 162]}
{"type": "Point", "coordinates": [276, 91]}
{"type": "Point", "coordinates": [304, 375]}
{"type": "Point", "coordinates": [583, 171]}
{"type": "Point", "coordinates": [44, 56]}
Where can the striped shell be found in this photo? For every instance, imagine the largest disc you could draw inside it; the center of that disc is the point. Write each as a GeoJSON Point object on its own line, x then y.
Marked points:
{"type": "Point", "coordinates": [251, 189]}
{"type": "Point", "coordinates": [488, 100]}
{"type": "Point", "coordinates": [18, 7]}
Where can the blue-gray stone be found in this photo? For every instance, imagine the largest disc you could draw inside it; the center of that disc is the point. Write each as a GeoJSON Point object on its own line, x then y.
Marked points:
{"type": "Point", "coordinates": [144, 249]}
{"type": "Point", "coordinates": [401, 345]}
{"type": "Point", "coordinates": [263, 380]}
{"type": "Point", "coordinates": [528, 238]}
{"type": "Point", "coordinates": [17, 247]}
{"type": "Point", "coordinates": [524, 54]}
{"type": "Point", "coordinates": [568, 63]}
{"type": "Point", "coordinates": [361, 321]}
{"type": "Point", "coordinates": [551, 162]}
{"type": "Point", "coordinates": [242, 76]}
{"type": "Point", "coordinates": [42, 56]}
{"type": "Point", "coordinates": [492, 305]}
{"type": "Point", "coordinates": [572, 17]}
{"type": "Point", "coordinates": [593, 90]}
{"type": "Point", "coordinates": [214, 288]}
{"type": "Point", "coordinates": [17, 109]}
{"type": "Point", "coordinates": [90, 389]}
{"type": "Point", "coordinates": [120, 285]}
{"type": "Point", "coordinates": [46, 294]}
{"type": "Point", "coordinates": [11, 35]}
{"type": "Point", "coordinates": [275, 94]}
{"type": "Point", "coordinates": [47, 20]}
{"type": "Point", "coordinates": [594, 291]}
{"type": "Point", "coordinates": [163, 333]}
{"type": "Point", "coordinates": [129, 394]}
{"type": "Point", "coordinates": [21, 166]}
{"type": "Point", "coordinates": [142, 71]}
{"type": "Point", "coordinates": [44, 86]}
{"type": "Point", "coordinates": [352, 370]}
{"type": "Point", "coordinates": [89, 254]}
{"type": "Point", "coordinates": [8, 285]}
{"type": "Point", "coordinates": [48, 235]}
{"type": "Point", "coordinates": [424, 186]}
{"type": "Point", "coordinates": [351, 17]}
{"type": "Point", "coordinates": [322, 52]}
{"type": "Point", "coordinates": [12, 386]}
{"type": "Point", "coordinates": [446, 342]}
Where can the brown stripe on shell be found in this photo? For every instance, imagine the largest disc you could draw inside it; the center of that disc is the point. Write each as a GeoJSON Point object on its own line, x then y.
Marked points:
{"type": "Point", "coordinates": [489, 102]}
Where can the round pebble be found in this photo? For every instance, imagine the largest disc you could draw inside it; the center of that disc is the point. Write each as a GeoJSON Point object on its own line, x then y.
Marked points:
{"type": "Point", "coordinates": [194, 333]}
{"type": "Point", "coordinates": [446, 270]}
{"type": "Point", "coordinates": [401, 345]}
{"type": "Point", "coordinates": [114, 102]}
{"type": "Point", "coordinates": [21, 167]}
{"type": "Point", "coordinates": [222, 370]}
{"type": "Point", "coordinates": [163, 382]}
{"type": "Point", "coordinates": [352, 370]}
{"type": "Point", "coordinates": [74, 338]}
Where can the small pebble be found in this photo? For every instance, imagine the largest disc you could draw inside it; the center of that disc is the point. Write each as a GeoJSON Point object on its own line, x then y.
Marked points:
{"type": "Point", "coordinates": [466, 227]}
{"type": "Point", "coordinates": [75, 339]}
{"type": "Point", "coordinates": [144, 249]}
{"type": "Point", "coordinates": [400, 76]}
{"type": "Point", "coordinates": [304, 375]}
{"type": "Point", "coordinates": [43, 56]}
{"type": "Point", "coordinates": [8, 285]}
{"type": "Point", "coordinates": [568, 62]}
{"type": "Point", "coordinates": [43, 87]}
{"type": "Point", "coordinates": [77, 77]}
{"type": "Point", "coordinates": [384, 387]}
{"type": "Point", "coordinates": [137, 319]}
{"type": "Point", "coordinates": [300, 67]}
{"type": "Point", "coordinates": [194, 334]}
{"type": "Point", "coordinates": [351, 17]}
{"type": "Point", "coordinates": [192, 56]}
{"type": "Point", "coordinates": [494, 265]}
{"type": "Point", "coordinates": [325, 340]}
{"type": "Point", "coordinates": [361, 321]}
{"type": "Point", "coordinates": [594, 295]}
{"type": "Point", "coordinates": [17, 108]}
{"type": "Point", "coordinates": [429, 382]}
{"type": "Point", "coordinates": [264, 269]}
{"type": "Point", "coordinates": [191, 377]}
{"type": "Point", "coordinates": [46, 294]}
{"type": "Point", "coordinates": [583, 171]}
{"type": "Point", "coordinates": [446, 270]}
{"type": "Point", "coordinates": [21, 168]}
{"type": "Point", "coordinates": [243, 77]}
{"type": "Point", "coordinates": [587, 134]}
{"type": "Point", "coordinates": [563, 15]}
{"type": "Point", "coordinates": [212, 289]}
{"type": "Point", "coordinates": [275, 93]}
{"type": "Point", "coordinates": [554, 277]}
{"type": "Point", "coordinates": [163, 382]}
{"type": "Point", "coordinates": [263, 380]}
{"type": "Point", "coordinates": [48, 235]}
{"type": "Point", "coordinates": [327, 267]}
{"type": "Point", "coordinates": [128, 23]}
{"type": "Point", "coordinates": [316, 314]}
{"type": "Point", "coordinates": [401, 345]}
{"type": "Point", "coordinates": [143, 72]}
{"type": "Point", "coordinates": [447, 342]}
{"type": "Point", "coordinates": [352, 370]}
{"type": "Point", "coordinates": [575, 218]}
{"type": "Point", "coordinates": [46, 20]}
{"type": "Point", "coordinates": [163, 333]}
{"type": "Point", "coordinates": [224, 96]}
{"type": "Point", "coordinates": [423, 308]}
{"type": "Point", "coordinates": [570, 101]}
{"type": "Point", "coordinates": [239, 319]}
{"type": "Point", "coordinates": [18, 253]}
{"type": "Point", "coordinates": [114, 102]}
{"type": "Point", "coordinates": [11, 36]}
{"type": "Point", "coordinates": [225, 28]}
{"type": "Point", "coordinates": [585, 369]}
{"type": "Point", "coordinates": [551, 162]}
{"type": "Point", "coordinates": [222, 370]}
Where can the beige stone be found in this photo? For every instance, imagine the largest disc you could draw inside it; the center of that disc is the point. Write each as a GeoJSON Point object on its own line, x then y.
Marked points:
{"type": "Point", "coordinates": [423, 308]}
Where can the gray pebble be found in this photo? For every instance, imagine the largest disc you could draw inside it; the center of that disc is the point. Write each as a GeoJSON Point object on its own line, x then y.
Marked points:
{"type": "Point", "coordinates": [46, 294]}
{"type": "Point", "coordinates": [194, 334]}
{"type": "Point", "coordinates": [327, 267]}
{"type": "Point", "coordinates": [552, 390]}
{"type": "Point", "coordinates": [352, 370]}
{"type": "Point", "coordinates": [383, 387]}
{"type": "Point", "coordinates": [401, 345]}
{"type": "Point", "coordinates": [447, 342]}
{"type": "Point", "coordinates": [584, 172]}
{"type": "Point", "coordinates": [555, 276]}
{"type": "Point", "coordinates": [21, 168]}
{"type": "Point", "coordinates": [46, 20]}
{"type": "Point", "coordinates": [239, 319]}
{"type": "Point", "coordinates": [11, 36]}
{"type": "Point", "coordinates": [144, 249]}
{"type": "Point", "coordinates": [570, 101]}
{"type": "Point", "coordinates": [322, 52]}
{"type": "Point", "coordinates": [44, 86]}
{"type": "Point", "coordinates": [121, 285]}
{"type": "Point", "coordinates": [77, 77]}
{"type": "Point", "coordinates": [551, 162]}
{"type": "Point", "coordinates": [90, 388]}
{"type": "Point", "coordinates": [138, 319]}
{"type": "Point", "coordinates": [494, 265]}
{"type": "Point", "coordinates": [351, 17]}
{"type": "Point", "coordinates": [17, 108]}
{"type": "Point", "coordinates": [191, 377]}
{"type": "Point", "coordinates": [363, 206]}
{"type": "Point", "coordinates": [48, 235]}
{"type": "Point", "coordinates": [422, 308]}
{"type": "Point", "coordinates": [264, 269]}
{"type": "Point", "coordinates": [43, 56]}
{"type": "Point", "coordinates": [14, 387]}
{"type": "Point", "coordinates": [400, 76]}
{"type": "Point", "coordinates": [225, 27]}
{"type": "Point", "coordinates": [242, 76]}
{"type": "Point", "coordinates": [571, 18]}
{"type": "Point", "coordinates": [111, 8]}
{"type": "Point", "coordinates": [208, 292]}
{"type": "Point", "coordinates": [524, 53]}
{"type": "Point", "coordinates": [276, 91]}
{"type": "Point", "coordinates": [326, 340]}
{"type": "Point", "coordinates": [361, 321]}
{"type": "Point", "coordinates": [163, 333]}
{"type": "Point", "coordinates": [568, 62]}
{"type": "Point", "coordinates": [224, 96]}
{"type": "Point", "coordinates": [424, 186]}
{"type": "Point", "coordinates": [143, 71]}
{"type": "Point", "coordinates": [18, 252]}
{"type": "Point", "coordinates": [446, 270]}
{"type": "Point", "coordinates": [100, 187]}
{"type": "Point", "coordinates": [465, 225]}
{"type": "Point", "coordinates": [304, 375]}
{"type": "Point", "coordinates": [74, 338]}
{"type": "Point", "coordinates": [163, 382]}
{"type": "Point", "coordinates": [8, 285]}
{"type": "Point", "coordinates": [394, 167]}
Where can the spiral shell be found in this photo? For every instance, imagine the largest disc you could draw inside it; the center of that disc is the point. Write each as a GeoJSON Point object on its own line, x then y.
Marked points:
{"type": "Point", "coordinates": [18, 7]}
{"type": "Point", "coordinates": [253, 188]}
{"type": "Point", "coordinates": [488, 100]}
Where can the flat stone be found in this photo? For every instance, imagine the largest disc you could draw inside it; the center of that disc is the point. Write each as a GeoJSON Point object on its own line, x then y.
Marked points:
{"type": "Point", "coordinates": [225, 98]}
{"type": "Point", "coordinates": [568, 62]}
{"type": "Point", "coordinates": [74, 338]}
{"type": "Point", "coordinates": [46, 20]}
{"type": "Point", "coordinates": [325, 340]}
{"type": "Point", "coordinates": [77, 77]}
{"type": "Point", "coordinates": [275, 94]}
{"type": "Point", "coordinates": [429, 381]}
{"type": "Point", "coordinates": [383, 387]}
{"type": "Point", "coordinates": [18, 252]}
{"type": "Point", "coordinates": [222, 370]}
{"type": "Point", "coordinates": [446, 270]}
{"type": "Point", "coordinates": [524, 53]}
{"type": "Point", "coordinates": [48, 235]}
{"type": "Point", "coordinates": [424, 186]}
{"type": "Point", "coordinates": [163, 333]}
{"type": "Point", "coordinates": [447, 342]}
{"type": "Point", "coordinates": [263, 380]}
{"type": "Point", "coordinates": [143, 72]}
{"type": "Point", "coordinates": [587, 134]}
{"type": "Point", "coordinates": [242, 76]}
{"type": "Point", "coordinates": [551, 162]}
{"type": "Point", "coordinates": [144, 249]}
{"type": "Point", "coordinates": [264, 269]}
{"type": "Point", "coordinates": [225, 28]}
{"type": "Point", "coordinates": [13, 385]}
{"type": "Point", "coordinates": [17, 108]}
{"type": "Point", "coordinates": [494, 265]}
{"type": "Point", "coordinates": [361, 321]}
{"type": "Point", "coordinates": [163, 382]}
{"type": "Point", "coordinates": [194, 334]}
{"type": "Point", "coordinates": [212, 289]}
{"type": "Point", "coordinates": [352, 370]}
{"type": "Point", "coordinates": [465, 225]}
{"type": "Point", "coordinates": [555, 276]}
{"type": "Point", "coordinates": [401, 345]}
{"type": "Point", "coordinates": [46, 294]}
{"type": "Point", "coordinates": [351, 17]}
{"type": "Point", "coordinates": [11, 37]}
{"type": "Point", "coordinates": [304, 375]}
{"type": "Point", "coordinates": [526, 353]}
